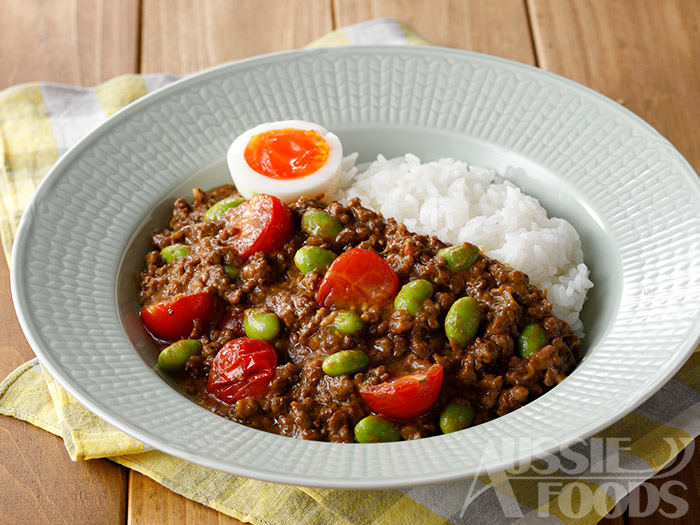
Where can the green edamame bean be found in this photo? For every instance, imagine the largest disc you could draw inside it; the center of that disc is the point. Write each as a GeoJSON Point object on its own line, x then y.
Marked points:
{"type": "Point", "coordinates": [174, 357]}
{"type": "Point", "coordinates": [320, 224]}
{"type": "Point", "coordinates": [174, 251]}
{"type": "Point", "coordinates": [231, 271]}
{"type": "Point", "coordinates": [462, 320]}
{"type": "Point", "coordinates": [532, 339]}
{"type": "Point", "coordinates": [376, 429]}
{"type": "Point", "coordinates": [348, 322]}
{"type": "Point", "coordinates": [312, 258]}
{"type": "Point", "coordinates": [455, 416]}
{"type": "Point", "coordinates": [345, 362]}
{"type": "Point", "coordinates": [261, 324]}
{"type": "Point", "coordinates": [217, 211]}
{"type": "Point", "coordinates": [461, 256]}
{"type": "Point", "coordinates": [411, 296]}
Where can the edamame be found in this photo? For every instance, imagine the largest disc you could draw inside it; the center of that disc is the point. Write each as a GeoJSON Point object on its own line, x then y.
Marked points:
{"type": "Point", "coordinates": [345, 362]}
{"type": "Point", "coordinates": [320, 224]}
{"type": "Point", "coordinates": [231, 271]}
{"type": "Point", "coordinates": [532, 339]}
{"type": "Point", "coordinates": [456, 416]}
{"type": "Point", "coordinates": [173, 358]}
{"type": "Point", "coordinates": [312, 258]}
{"type": "Point", "coordinates": [174, 251]}
{"type": "Point", "coordinates": [218, 210]}
{"type": "Point", "coordinates": [412, 295]}
{"type": "Point", "coordinates": [376, 429]}
{"type": "Point", "coordinates": [261, 324]}
{"type": "Point", "coordinates": [462, 320]}
{"type": "Point", "coordinates": [347, 322]}
{"type": "Point", "coordinates": [461, 256]}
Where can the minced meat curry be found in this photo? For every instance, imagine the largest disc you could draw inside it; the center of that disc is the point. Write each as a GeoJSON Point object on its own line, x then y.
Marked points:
{"type": "Point", "coordinates": [333, 323]}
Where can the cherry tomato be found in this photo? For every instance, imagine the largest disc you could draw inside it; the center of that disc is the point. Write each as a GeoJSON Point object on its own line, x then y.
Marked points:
{"type": "Point", "coordinates": [262, 224]}
{"type": "Point", "coordinates": [174, 319]}
{"type": "Point", "coordinates": [407, 396]}
{"type": "Point", "coordinates": [357, 278]}
{"type": "Point", "coordinates": [244, 367]}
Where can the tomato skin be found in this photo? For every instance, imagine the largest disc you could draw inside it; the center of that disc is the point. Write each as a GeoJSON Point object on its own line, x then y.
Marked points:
{"type": "Point", "coordinates": [262, 224]}
{"type": "Point", "coordinates": [407, 396]}
{"type": "Point", "coordinates": [357, 278]}
{"type": "Point", "coordinates": [232, 320]}
{"type": "Point", "coordinates": [174, 319]}
{"type": "Point", "coordinates": [244, 367]}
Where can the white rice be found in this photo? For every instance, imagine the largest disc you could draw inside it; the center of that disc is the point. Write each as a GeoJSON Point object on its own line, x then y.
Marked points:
{"type": "Point", "coordinates": [458, 202]}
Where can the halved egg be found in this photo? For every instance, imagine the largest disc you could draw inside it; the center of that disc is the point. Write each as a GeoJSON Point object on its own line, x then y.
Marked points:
{"type": "Point", "coordinates": [287, 159]}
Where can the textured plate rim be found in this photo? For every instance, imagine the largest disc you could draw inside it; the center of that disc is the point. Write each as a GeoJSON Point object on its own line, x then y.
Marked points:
{"type": "Point", "coordinates": [46, 359]}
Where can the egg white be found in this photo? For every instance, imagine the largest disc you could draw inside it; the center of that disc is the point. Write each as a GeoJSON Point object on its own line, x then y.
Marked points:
{"type": "Point", "coordinates": [320, 185]}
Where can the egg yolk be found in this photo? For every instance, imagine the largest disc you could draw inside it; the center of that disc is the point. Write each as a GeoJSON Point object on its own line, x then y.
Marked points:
{"type": "Point", "coordinates": [286, 153]}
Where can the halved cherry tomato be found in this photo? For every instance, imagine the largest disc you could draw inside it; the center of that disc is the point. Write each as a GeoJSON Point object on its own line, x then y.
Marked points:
{"type": "Point", "coordinates": [174, 319]}
{"type": "Point", "coordinates": [244, 367]}
{"type": "Point", "coordinates": [407, 396]}
{"type": "Point", "coordinates": [357, 278]}
{"type": "Point", "coordinates": [262, 224]}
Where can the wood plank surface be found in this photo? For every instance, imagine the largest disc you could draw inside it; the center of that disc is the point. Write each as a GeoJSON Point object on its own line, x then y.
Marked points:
{"type": "Point", "coordinates": [41, 485]}
{"type": "Point", "coordinates": [150, 503]}
{"type": "Point", "coordinates": [38, 481]}
{"type": "Point", "coordinates": [80, 42]}
{"type": "Point", "coordinates": [453, 23]}
{"type": "Point", "coordinates": [179, 36]}
{"type": "Point", "coordinates": [644, 54]}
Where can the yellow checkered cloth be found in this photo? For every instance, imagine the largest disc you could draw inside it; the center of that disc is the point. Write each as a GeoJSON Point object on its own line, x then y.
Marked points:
{"type": "Point", "coordinates": [40, 121]}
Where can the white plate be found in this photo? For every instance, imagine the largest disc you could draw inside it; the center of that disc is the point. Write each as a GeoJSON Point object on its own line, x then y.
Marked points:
{"type": "Point", "coordinates": [630, 194]}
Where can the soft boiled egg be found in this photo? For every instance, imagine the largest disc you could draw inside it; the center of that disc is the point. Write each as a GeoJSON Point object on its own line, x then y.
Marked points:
{"type": "Point", "coordinates": [287, 159]}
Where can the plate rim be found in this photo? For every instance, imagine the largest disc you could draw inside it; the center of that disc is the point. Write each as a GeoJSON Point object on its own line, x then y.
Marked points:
{"type": "Point", "coordinates": [26, 222]}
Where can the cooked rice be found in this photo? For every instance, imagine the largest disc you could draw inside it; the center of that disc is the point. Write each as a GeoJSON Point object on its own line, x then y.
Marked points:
{"type": "Point", "coordinates": [458, 202]}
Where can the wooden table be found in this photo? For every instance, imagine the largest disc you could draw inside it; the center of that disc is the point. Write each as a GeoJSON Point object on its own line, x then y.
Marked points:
{"type": "Point", "coordinates": [643, 53]}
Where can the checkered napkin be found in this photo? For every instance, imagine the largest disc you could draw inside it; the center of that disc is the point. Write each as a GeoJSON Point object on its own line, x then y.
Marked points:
{"type": "Point", "coordinates": [40, 121]}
